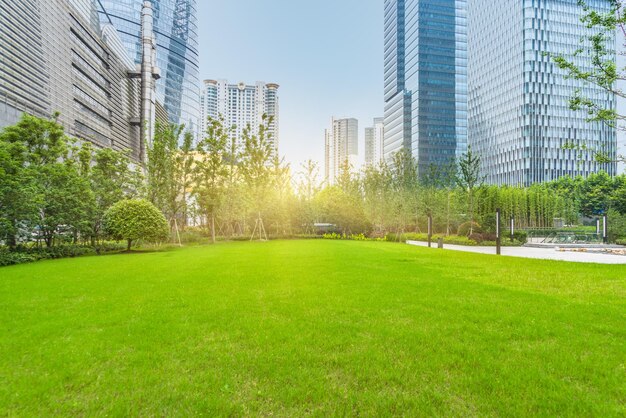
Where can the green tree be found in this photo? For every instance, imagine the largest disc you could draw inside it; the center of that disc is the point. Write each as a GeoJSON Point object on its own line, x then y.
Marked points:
{"type": "Point", "coordinates": [308, 186]}
{"type": "Point", "coordinates": [170, 159]}
{"type": "Point", "coordinates": [210, 171]}
{"type": "Point", "coordinates": [67, 201]}
{"type": "Point", "coordinates": [469, 178]}
{"type": "Point", "coordinates": [598, 49]}
{"type": "Point", "coordinates": [30, 148]}
{"type": "Point", "coordinates": [136, 219]}
{"type": "Point", "coordinates": [112, 180]}
{"type": "Point", "coordinates": [337, 207]}
{"type": "Point", "coordinates": [255, 165]}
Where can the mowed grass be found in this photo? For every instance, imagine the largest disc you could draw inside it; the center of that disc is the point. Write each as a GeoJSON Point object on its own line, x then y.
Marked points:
{"type": "Point", "coordinates": [312, 328]}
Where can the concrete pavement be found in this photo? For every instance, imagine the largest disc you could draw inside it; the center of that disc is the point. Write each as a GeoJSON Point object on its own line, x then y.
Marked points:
{"type": "Point", "coordinates": [536, 253]}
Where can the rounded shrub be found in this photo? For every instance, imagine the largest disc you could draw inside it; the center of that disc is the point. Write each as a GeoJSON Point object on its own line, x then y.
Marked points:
{"type": "Point", "coordinates": [469, 227]}
{"type": "Point", "coordinates": [136, 219]}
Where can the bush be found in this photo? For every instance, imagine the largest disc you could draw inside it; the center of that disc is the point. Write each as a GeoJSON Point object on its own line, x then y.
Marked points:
{"type": "Point", "coordinates": [136, 219]}
{"type": "Point", "coordinates": [449, 239]}
{"type": "Point", "coordinates": [464, 229]}
{"type": "Point", "coordinates": [30, 254]}
{"type": "Point", "coordinates": [521, 236]}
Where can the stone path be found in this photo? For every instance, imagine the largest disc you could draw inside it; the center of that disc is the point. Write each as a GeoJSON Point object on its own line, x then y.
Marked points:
{"type": "Point", "coordinates": [538, 253]}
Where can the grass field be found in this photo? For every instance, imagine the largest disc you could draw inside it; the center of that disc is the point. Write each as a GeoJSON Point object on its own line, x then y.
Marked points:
{"type": "Point", "coordinates": [312, 328]}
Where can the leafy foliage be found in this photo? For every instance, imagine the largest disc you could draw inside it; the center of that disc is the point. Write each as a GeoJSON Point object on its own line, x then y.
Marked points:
{"type": "Point", "coordinates": [136, 219]}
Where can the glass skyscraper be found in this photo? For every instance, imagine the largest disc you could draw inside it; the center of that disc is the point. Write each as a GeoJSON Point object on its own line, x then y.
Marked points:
{"type": "Point", "coordinates": [175, 27]}
{"type": "Point", "coordinates": [426, 79]}
{"type": "Point", "coordinates": [519, 116]}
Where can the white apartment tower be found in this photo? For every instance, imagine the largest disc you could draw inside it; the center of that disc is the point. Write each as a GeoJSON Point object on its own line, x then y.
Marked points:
{"type": "Point", "coordinates": [241, 104]}
{"type": "Point", "coordinates": [374, 143]}
{"type": "Point", "coordinates": [341, 145]}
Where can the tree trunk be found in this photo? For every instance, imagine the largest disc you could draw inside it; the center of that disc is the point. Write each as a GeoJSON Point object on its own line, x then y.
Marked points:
{"type": "Point", "coordinates": [130, 242]}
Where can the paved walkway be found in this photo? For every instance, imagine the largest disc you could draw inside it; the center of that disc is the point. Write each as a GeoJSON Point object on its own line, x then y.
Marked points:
{"type": "Point", "coordinates": [540, 253]}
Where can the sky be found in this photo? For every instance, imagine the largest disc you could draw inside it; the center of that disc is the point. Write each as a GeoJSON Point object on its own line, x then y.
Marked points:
{"type": "Point", "coordinates": [326, 55]}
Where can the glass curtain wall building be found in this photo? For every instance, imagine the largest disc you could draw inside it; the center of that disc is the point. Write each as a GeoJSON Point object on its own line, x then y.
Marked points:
{"type": "Point", "coordinates": [519, 112]}
{"type": "Point", "coordinates": [426, 80]}
{"type": "Point", "coordinates": [175, 27]}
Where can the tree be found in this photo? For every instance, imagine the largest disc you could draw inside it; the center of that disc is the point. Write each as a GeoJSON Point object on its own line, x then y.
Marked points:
{"type": "Point", "coordinates": [210, 170]}
{"type": "Point", "coordinates": [469, 178]}
{"type": "Point", "coordinates": [597, 48]}
{"type": "Point", "coordinates": [29, 148]}
{"type": "Point", "coordinates": [168, 171]}
{"type": "Point", "coordinates": [112, 180]}
{"type": "Point", "coordinates": [378, 196]}
{"type": "Point", "coordinates": [342, 209]}
{"type": "Point", "coordinates": [255, 166]}
{"type": "Point", "coordinates": [136, 219]}
{"type": "Point", "coordinates": [308, 186]}
{"type": "Point", "coordinates": [405, 186]}
{"type": "Point", "coordinates": [67, 201]}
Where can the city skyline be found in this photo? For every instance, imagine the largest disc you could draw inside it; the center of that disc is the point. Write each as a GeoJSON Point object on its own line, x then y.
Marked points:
{"type": "Point", "coordinates": [324, 69]}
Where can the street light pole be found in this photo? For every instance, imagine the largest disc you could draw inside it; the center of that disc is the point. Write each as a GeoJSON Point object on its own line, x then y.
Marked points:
{"type": "Point", "coordinates": [498, 233]}
{"type": "Point", "coordinates": [430, 230]}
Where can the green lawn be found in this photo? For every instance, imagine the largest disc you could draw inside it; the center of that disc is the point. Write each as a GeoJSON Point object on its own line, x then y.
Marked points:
{"type": "Point", "coordinates": [312, 328]}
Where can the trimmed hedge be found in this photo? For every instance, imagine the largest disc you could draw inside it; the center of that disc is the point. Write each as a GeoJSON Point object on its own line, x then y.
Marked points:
{"type": "Point", "coordinates": [487, 240]}
{"type": "Point", "coordinates": [23, 255]}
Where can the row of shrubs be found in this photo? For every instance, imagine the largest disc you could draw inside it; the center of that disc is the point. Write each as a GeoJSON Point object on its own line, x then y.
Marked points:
{"type": "Point", "coordinates": [351, 237]}
{"type": "Point", "coordinates": [472, 240]}
{"type": "Point", "coordinates": [29, 254]}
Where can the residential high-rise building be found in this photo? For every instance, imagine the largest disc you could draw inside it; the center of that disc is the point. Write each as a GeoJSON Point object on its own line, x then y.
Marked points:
{"type": "Point", "coordinates": [175, 27]}
{"type": "Point", "coordinates": [57, 58]}
{"type": "Point", "coordinates": [374, 141]}
{"type": "Point", "coordinates": [341, 145]}
{"type": "Point", "coordinates": [425, 77]}
{"type": "Point", "coordinates": [241, 105]}
{"type": "Point", "coordinates": [520, 120]}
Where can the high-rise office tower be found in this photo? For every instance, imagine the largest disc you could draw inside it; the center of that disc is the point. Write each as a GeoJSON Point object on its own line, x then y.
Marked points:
{"type": "Point", "coordinates": [241, 105]}
{"type": "Point", "coordinates": [341, 145]}
{"type": "Point", "coordinates": [58, 58]}
{"type": "Point", "coordinates": [175, 27]}
{"type": "Point", "coordinates": [374, 141]}
{"type": "Point", "coordinates": [426, 80]}
{"type": "Point", "coordinates": [520, 121]}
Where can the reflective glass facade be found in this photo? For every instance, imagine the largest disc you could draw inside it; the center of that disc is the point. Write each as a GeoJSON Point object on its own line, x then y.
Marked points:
{"type": "Point", "coordinates": [175, 26]}
{"type": "Point", "coordinates": [519, 116]}
{"type": "Point", "coordinates": [426, 79]}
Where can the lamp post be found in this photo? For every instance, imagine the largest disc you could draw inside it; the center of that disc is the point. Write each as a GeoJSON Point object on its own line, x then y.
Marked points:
{"type": "Point", "coordinates": [498, 233]}
{"type": "Point", "coordinates": [430, 230]}
{"type": "Point", "coordinates": [512, 228]}
{"type": "Point", "coordinates": [605, 229]}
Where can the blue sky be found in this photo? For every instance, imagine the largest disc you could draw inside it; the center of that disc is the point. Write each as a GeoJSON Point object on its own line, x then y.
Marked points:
{"type": "Point", "coordinates": [327, 56]}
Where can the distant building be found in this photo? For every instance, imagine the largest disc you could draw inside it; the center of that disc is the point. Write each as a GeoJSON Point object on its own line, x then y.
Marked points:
{"type": "Point", "coordinates": [374, 143]}
{"type": "Point", "coordinates": [425, 73]}
{"type": "Point", "coordinates": [341, 145]}
{"type": "Point", "coordinates": [57, 58]}
{"type": "Point", "coordinates": [241, 104]}
{"type": "Point", "coordinates": [519, 114]}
